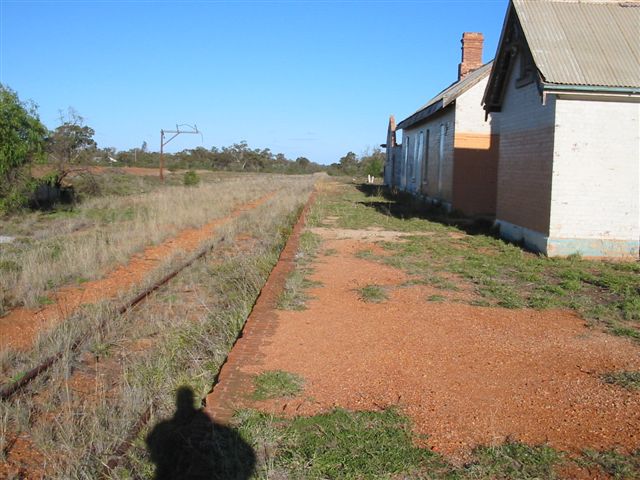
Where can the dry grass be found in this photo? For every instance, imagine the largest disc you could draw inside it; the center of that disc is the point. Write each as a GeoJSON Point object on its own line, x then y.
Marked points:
{"type": "Point", "coordinates": [103, 232]}
{"type": "Point", "coordinates": [187, 328]}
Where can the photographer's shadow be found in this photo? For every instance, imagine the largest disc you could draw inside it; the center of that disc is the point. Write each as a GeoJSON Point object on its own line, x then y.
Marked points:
{"type": "Point", "coordinates": [192, 446]}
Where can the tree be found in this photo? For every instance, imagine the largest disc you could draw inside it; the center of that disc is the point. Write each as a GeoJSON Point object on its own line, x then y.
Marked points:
{"type": "Point", "coordinates": [303, 162]}
{"type": "Point", "coordinates": [349, 164]}
{"type": "Point", "coordinates": [23, 138]}
{"type": "Point", "coordinates": [70, 143]}
{"type": "Point", "coordinates": [373, 163]}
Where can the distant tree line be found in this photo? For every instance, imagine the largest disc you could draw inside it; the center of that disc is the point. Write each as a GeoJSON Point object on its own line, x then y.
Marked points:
{"type": "Point", "coordinates": [237, 157]}
{"type": "Point", "coordinates": [25, 141]}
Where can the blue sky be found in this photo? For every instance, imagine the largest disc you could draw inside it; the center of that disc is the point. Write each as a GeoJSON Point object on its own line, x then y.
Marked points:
{"type": "Point", "coordinates": [305, 78]}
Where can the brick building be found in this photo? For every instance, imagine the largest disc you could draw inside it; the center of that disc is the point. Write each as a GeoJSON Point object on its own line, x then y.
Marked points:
{"type": "Point", "coordinates": [448, 153]}
{"type": "Point", "coordinates": [566, 84]}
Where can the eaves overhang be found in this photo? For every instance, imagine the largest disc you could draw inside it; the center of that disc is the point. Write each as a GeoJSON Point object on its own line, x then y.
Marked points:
{"type": "Point", "coordinates": [421, 115]}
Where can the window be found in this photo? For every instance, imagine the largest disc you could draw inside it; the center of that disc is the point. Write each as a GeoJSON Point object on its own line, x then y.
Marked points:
{"type": "Point", "coordinates": [406, 146]}
{"type": "Point", "coordinates": [425, 166]}
{"type": "Point", "coordinates": [419, 152]}
{"type": "Point", "coordinates": [443, 132]}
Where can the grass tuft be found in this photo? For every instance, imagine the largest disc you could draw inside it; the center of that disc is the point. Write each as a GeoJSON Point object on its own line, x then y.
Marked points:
{"type": "Point", "coordinates": [373, 294]}
{"type": "Point", "coordinates": [294, 295]}
{"type": "Point", "coordinates": [615, 464]}
{"type": "Point", "coordinates": [277, 384]}
{"type": "Point", "coordinates": [628, 380]}
{"type": "Point", "coordinates": [514, 460]}
{"type": "Point", "coordinates": [338, 445]}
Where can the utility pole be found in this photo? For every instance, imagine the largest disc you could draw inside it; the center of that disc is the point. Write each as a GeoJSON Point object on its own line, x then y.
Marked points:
{"type": "Point", "coordinates": [176, 132]}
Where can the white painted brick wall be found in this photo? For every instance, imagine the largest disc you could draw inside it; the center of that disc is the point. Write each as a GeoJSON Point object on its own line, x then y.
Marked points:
{"type": "Point", "coordinates": [522, 108]}
{"type": "Point", "coordinates": [596, 170]}
{"type": "Point", "coordinates": [470, 116]}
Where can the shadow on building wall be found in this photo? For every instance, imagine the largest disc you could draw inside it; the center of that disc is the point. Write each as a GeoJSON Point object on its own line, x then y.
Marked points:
{"type": "Point", "coordinates": [475, 174]}
{"type": "Point", "coordinates": [405, 206]}
{"type": "Point", "coordinates": [191, 445]}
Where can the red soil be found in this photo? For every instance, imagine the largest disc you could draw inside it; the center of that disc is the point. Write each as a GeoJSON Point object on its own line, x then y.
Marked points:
{"type": "Point", "coordinates": [18, 329]}
{"type": "Point", "coordinates": [466, 375]}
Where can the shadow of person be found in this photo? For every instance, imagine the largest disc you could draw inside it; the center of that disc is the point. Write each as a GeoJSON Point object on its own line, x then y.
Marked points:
{"type": "Point", "coordinates": [192, 446]}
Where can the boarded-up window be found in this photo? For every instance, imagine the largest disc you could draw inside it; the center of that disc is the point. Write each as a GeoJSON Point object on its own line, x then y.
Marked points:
{"type": "Point", "coordinates": [418, 157]}
{"type": "Point", "coordinates": [443, 132]}
{"type": "Point", "coordinates": [425, 164]}
{"type": "Point", "coordinates": [405, 162]}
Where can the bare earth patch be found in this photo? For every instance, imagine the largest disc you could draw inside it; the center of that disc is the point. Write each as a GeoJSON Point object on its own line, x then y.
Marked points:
{"type": "Point", "coordinates": [372, 234]}
{"type": "Point", "coordinates": [466, 375]}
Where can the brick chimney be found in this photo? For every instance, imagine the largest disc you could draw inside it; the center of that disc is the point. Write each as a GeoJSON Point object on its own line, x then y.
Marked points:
{"type": "Point", "coordinates": [471, 53]}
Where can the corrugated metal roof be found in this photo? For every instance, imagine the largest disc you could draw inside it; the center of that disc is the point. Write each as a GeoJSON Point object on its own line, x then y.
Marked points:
{"type": "Point", "coordinates": [446, 96]}
{"type": "Point", "coordinates": [587, 42]}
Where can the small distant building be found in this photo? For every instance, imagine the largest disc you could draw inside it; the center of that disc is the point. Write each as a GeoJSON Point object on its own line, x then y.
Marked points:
{"type": "Point", "coordinates": [449, 152]}
{"type": "Point", "coordinates": [566, 84]}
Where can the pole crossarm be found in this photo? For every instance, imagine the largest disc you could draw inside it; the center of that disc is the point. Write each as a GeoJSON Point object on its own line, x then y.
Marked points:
{"type": "Point", "coordinates": [176, 132]}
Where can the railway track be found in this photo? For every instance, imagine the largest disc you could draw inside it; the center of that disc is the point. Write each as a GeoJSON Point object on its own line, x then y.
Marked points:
{"type": "Point", "coordinates": [8, 390]}
{"type": "Point", "coordinates": [114, 459]}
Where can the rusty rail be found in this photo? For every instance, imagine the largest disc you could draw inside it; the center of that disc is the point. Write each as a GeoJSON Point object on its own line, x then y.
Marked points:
{"type": "Point", "coordinates": [6, 391]}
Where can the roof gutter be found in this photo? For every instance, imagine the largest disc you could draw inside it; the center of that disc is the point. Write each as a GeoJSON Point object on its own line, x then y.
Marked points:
{"type": "Point", "coordinates": [590, 89]}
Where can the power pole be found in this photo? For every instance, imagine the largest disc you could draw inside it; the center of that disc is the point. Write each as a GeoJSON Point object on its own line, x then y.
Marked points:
{"type": "Point", "coordinates": [176, 132]}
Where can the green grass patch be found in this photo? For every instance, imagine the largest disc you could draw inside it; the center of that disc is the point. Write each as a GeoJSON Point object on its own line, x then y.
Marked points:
{"type": "Point", "coordinates": [615, 464]}
{"type": "Point", "coordinates": [343, 445]}
{"type": "Point", "coordinates": [18, 376]}
{"type": "Point", "coordinates": [338, 445]}
{"type": "Point", "coordinates": [365, 254]}
{"type": "Point", "coordinates": [112, 215]}
{"type": "Point", "coordinates": [9, 266]}
{"type": "Point", "coordinates": [373, 294]}
{"type": "Point", "coordinates": [623, 331]}
{"type": "Point", "coordinates": [435, 298]}
{"type": "Point", "coordinates": [277, 384]}
{"type": "Point", "coordinates": [44, 300]}
{"type": "Point", "coordinates": [628, 380]}
{"type": "Point", "coordinates": [513, 460]}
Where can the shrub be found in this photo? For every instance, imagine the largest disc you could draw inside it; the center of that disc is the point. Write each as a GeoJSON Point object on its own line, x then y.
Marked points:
{"type": "Point", "coordinates": [191, 178]}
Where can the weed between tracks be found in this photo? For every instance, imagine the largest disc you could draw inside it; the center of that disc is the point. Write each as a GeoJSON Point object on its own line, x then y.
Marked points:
{"type": "Point", "coordinates": [180, 336]}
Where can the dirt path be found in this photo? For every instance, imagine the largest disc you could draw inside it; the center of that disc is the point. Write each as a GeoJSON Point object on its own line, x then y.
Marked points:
{"type": "Point", "coordinates": [466, 375]}
{"type": "Point", "coordinates": [19, 329]}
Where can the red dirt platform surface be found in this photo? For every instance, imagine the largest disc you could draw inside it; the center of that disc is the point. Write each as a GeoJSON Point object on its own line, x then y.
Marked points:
{"type": "Point", "coordinates": [466, 375]}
